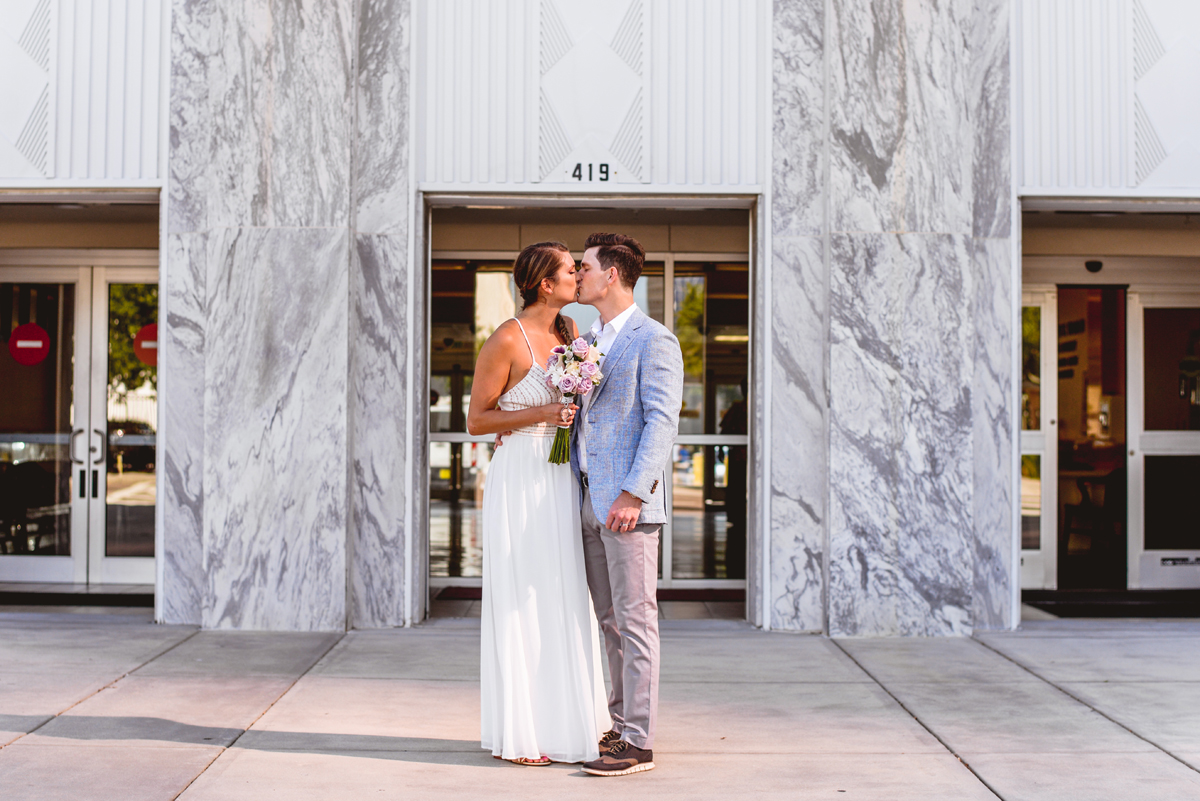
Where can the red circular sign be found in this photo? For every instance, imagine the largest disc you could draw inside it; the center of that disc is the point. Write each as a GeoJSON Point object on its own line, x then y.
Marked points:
{"type": "Point", "coordinates": [29, 344]}
{"type": "Point", "coordinates": [145, 344]}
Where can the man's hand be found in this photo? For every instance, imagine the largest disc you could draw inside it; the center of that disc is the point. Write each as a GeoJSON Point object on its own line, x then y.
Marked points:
{"type": "Point", "coordinates": [500, 437]}
{"type": "Point", "coordinates": [624, 514]}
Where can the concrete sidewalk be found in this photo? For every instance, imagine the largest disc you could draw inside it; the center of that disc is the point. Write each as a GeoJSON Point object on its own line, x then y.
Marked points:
{"type": "Point", "coordinates": [112, 707]}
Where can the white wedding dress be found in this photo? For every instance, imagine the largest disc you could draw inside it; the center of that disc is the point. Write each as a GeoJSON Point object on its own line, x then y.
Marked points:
{"type": "Point", "coordinates": [542, 692]}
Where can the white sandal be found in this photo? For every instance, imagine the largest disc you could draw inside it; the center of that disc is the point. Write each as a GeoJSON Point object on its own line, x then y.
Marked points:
{"type": "Point", "coordinates": [527, 762]}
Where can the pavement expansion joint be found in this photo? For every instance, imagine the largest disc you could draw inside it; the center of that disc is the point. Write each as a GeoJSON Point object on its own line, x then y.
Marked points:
{"type": "Point", "coordinates": [1090, 706]}
{"type": "Point", "coordinates": [917, 718]}
{"type": "Point", "coordinates": [101, 689]}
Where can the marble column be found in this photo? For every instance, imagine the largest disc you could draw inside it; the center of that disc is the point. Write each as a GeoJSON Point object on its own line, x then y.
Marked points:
{"type": "Point", "coordinates": [257, 294]}
{"type": "Point", "coordinates": [890, 441]}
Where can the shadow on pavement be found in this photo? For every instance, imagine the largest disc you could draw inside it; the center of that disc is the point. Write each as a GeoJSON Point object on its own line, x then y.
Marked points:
{"type": "Point", "coordinates": [406, 749]}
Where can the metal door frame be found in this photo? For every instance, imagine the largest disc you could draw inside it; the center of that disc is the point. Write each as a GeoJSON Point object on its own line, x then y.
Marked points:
{"type": "Point", "coordinates": [1142, 570]}
{"type": "Point", "coordinates": [104, 569]}
{"type": "Point", "coordinates": [72, 568]}
{"type": "Point", "coordinates": [1039, 568]}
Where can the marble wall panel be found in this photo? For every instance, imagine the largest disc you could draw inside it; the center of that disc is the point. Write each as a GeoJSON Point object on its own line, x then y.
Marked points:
{"type": "Point", "coordinates": [936, 167]}
{"type": "Point", "coordinates": [868, 108]}
{"type": "Point", "coordinates": [280, 108]}
{"type": "Point", "coordinates": [798, 118]}
{"type": "Point", "coordinates": [993, 435]}
{"type": "Point", "coordinates": [378, 430]}
{"type": "Point", "coordinates": [275, 377]}
{"type": "Point", "coordinates": [381, 201]}
{"type": "Point", "coordinates": [992, 120]}
{"type": "Point", "coordinates": [796, 521]}
{"type": "Point", "coordinates": [181, 381]}
{"type": "Point", "coordinates": [899, 92]}
{"type": "Point", "coordinates": [799, 403]}
{"type": "Point", "coordinates": [901, 465]}
{"type": "Point", "coordinates": [190, 137]}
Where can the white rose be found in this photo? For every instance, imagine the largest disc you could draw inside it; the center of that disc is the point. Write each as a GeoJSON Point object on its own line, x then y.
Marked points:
{"type": "Point", "coordinates": [573, 368]}
{"type": "Point", "coordinates": [593, 354]}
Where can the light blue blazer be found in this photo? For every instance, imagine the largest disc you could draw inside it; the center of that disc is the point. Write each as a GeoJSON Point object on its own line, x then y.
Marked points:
{"type": "Point", "coordinates": [632, 419]}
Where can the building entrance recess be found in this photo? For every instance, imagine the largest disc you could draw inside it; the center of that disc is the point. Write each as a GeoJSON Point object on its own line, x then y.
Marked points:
{"type": "Point", "coordinates": [696, 282]}
{"type": "Point", "coordinates": [78, 424]}
{"type": "Point", "coordinates": [1110, 395]}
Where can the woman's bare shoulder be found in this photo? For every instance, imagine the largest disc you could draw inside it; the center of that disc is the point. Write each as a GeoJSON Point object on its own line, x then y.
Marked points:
{"type": "Point", "coordinates": [504, 339]}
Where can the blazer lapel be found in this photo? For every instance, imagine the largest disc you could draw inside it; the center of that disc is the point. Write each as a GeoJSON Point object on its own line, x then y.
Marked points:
{"type": "Point", "coordinates": [618, 347]}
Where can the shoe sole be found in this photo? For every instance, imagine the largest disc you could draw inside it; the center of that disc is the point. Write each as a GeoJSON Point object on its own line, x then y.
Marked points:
{"type": "Point", "coordinates": [635, 769]}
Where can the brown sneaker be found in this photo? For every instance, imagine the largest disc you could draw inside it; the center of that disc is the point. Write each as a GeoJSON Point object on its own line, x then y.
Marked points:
{"type": "Point", "coordinates": [622, 758]}
{"type": "Point", "coordinates": [606, 740]}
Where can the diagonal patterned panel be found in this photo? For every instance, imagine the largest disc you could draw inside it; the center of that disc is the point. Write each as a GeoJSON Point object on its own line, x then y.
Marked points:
{"type": "Point", "coordinates": [556, 42]}
{"type": "Point", "coordinates": [35, 39]}
{"type": "Point", "coordinates": [32, 143]}
{"type": "Point", "coordinates": [627, 42]}
{"type": "Point", "coordinates": [1148, 48]}
{"type": "Point", "coordinates": [1148, 148]}
{"type": "Point", "coordinates": [553, 145]}
{"type": "Point", "coordinates": [627, 144]}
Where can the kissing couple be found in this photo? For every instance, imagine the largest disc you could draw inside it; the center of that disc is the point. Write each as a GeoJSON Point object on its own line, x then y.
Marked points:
{"type": "Point", "coordinates": [553, 532]}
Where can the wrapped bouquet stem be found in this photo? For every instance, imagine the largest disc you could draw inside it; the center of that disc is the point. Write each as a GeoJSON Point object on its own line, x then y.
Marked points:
{"type": "Point", "coordinates": [573, 370]}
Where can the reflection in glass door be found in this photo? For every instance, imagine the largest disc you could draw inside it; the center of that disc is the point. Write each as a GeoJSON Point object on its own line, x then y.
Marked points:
{"type": "Point", "coordinates": [1164, 452]}
{"type": "Point", "coordinates": [706, 304]}
{"type": "Point", "coordinates": [43, 504]}
{"type": "Point", "coordinates": [711, 319]}
{"type": "Point", "coordinates": [1092, 478]}
{"type": "Point", "coordinates": [125, 401]}
{"type": "Point", "coordinates": [1039, 451]}
{"type": "Point", "coordinates": [77, 427]}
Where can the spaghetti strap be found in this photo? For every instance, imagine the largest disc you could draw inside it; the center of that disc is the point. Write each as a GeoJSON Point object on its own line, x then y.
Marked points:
{"type": "Point", "coordinates": [531, 356]}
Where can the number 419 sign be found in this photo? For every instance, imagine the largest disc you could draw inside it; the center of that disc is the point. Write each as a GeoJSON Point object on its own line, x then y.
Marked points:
{"type": "Point", "coordinates": [592, 173]}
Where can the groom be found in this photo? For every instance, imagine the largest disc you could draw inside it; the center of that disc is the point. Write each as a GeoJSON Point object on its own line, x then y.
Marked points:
{"type": "Point", "coordinates": [621, 445]}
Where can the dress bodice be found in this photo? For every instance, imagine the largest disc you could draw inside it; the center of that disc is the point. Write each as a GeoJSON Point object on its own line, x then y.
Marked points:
{"type": "Point", "coordinates": [529, 392]}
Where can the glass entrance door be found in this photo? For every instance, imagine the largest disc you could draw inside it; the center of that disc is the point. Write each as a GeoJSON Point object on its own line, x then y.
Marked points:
{"type": "Point", "coordinates": [1039, 440]}
{"type": "Point", "coordinates": [1092, 476]}
{"type": "Point", "coordinates": [706, 304]}
{"type": "Point", "coordinates": [77, 425]}
{"type": "Point", "coordinates": [1164, 442]}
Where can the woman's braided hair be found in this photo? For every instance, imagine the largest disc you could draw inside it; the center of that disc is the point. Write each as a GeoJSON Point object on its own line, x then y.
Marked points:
{"type": "Point", "coordinates": [535, 264]}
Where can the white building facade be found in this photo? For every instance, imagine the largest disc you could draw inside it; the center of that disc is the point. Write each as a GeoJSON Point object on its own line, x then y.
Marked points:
{"type": "Point", "coordinates": [842, 182]}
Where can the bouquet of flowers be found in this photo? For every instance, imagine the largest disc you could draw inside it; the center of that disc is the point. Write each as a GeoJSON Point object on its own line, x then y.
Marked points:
{"type": "Point", "coordinates": [572, 370]}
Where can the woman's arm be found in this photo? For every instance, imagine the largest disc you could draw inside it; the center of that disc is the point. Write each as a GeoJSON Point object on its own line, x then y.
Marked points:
{"type": "Point", "coordinates": [492, 370]}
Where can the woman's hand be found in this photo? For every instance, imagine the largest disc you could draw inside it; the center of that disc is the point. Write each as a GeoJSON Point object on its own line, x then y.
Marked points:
{"type": "Point", "coordinates": [558, 414]}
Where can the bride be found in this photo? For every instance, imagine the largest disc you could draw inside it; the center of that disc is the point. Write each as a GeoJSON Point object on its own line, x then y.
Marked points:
{"type": "Point", "coordinates": [542, 691]}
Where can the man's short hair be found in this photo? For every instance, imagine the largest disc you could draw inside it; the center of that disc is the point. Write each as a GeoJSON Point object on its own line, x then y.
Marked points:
{"type": "Point", "coordinates": [620, 251]}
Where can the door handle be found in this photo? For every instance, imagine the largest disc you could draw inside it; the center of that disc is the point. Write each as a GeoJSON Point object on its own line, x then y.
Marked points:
{"type": "Point", "coordinates": [71, 450]}
{"type": "Point", "coordinates": [100, 450]}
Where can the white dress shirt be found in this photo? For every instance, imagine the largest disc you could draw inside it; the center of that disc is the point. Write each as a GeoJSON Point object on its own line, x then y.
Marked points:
{"type": "Point", "coordinates": [604, 336]}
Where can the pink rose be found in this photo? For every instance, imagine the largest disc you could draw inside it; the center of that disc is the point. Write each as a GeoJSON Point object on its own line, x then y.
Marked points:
{"type": "Point", "coordinates": [588, 369]}
{"type": "Point", "coordinates": [580, 347]}
{"type": "Point", "coordinates": [567, 384]}
{"type": "Point", "coordinates": [585, 387]}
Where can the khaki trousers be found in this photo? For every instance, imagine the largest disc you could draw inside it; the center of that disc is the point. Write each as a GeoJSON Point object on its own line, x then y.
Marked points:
{"type": "Point", "coordinates": [622, 573]}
